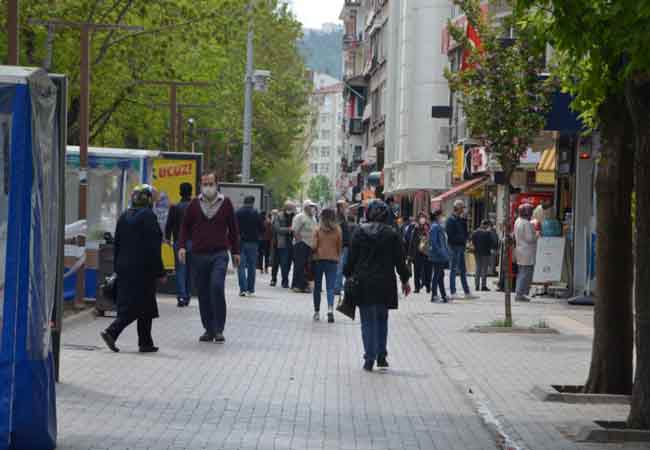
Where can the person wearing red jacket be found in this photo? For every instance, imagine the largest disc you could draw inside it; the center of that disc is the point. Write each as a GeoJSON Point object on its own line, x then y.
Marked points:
{"type": "Point", "coordinates": [211, 225]}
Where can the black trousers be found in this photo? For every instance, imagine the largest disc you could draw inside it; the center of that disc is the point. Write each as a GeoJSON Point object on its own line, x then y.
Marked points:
{"type": "Point", "coordinates": [144, 329]}
{"type": "Point", "coordinates": [264, 256]}
{"type": "Point", "coordinates": [423, 272]}
{"type": "Point", "coordinates": [301, 252]}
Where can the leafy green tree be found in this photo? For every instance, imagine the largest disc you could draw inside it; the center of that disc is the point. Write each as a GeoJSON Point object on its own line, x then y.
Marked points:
{"type": "Point", "coordinates": [182, 40]}
{"type": "Point", "coordinates": [502, 95]}
{"type": "Point", "coordinates": [319, 189]}
{"type": "Point", "coordinates": [604, 43]}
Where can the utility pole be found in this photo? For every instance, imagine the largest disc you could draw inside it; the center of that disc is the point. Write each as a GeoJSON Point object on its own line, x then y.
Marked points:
{"type": "Point", "coordinates": [178, 120]}
{"type": "Point", "coordinates": [12, 33]}
{"type": "Point", "coordinates": [174, 141]}
{"type": "Point", "coordinates": [248, 100]}
{"type": "Point", "coordinates": [86, 29]}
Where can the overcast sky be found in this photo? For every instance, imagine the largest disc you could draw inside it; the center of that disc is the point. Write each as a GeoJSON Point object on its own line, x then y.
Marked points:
{"type": "Point", "coordinates": [314, 13]}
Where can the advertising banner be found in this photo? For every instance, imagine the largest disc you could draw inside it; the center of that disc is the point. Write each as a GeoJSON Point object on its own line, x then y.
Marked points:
{"type": "Point", "coordinates": [167, 175]}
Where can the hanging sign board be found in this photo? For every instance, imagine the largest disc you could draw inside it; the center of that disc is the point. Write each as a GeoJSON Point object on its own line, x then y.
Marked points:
{"type": "Point", "coordinates": [550, 258]}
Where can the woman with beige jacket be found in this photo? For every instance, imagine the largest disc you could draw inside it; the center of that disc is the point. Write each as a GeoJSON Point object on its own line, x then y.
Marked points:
{"type": "Point", "coordinates": [327, 247]}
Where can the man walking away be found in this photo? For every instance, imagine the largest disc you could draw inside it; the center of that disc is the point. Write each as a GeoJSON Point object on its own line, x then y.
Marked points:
{"type": "Point", "coordinates": [457, 235]}
{"type": "Point", "coordinates": [303, 227]}
{"type": "Point", "coordinates": [342, 220]}
{"type": "Point", "coordinates": [284, 240]}
{"type": "Point", "coordinates": [483, 242]}
{"type": "Point", "coordinates": [251, 226]}
{"type": "Point", "coordinates": [172, 234]}
{"type": "Point", "coordinates": [210, 223]}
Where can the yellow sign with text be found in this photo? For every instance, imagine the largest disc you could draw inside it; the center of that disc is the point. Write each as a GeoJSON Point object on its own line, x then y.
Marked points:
{"type": "Point", "coordinates": [168, 175]}
{"type": "Point", "coordinates": [459, 162]}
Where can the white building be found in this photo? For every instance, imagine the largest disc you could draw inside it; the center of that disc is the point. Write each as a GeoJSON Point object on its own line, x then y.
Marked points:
{"type": "Point", "coordinates": [413, 158]}
{"type": "Point", "coordinates": [326, 146]}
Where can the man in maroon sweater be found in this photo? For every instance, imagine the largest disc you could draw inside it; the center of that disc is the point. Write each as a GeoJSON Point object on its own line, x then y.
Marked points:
{"type": "Point", "coordinates": [210, 224]}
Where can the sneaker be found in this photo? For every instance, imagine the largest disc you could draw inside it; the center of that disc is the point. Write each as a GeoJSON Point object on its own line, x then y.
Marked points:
{"type": "Point", "coordinates": [109, 340]}
{"type": "Point", "coordinates": [206, 337]}
{"type": "Point", "coordinates": [149, 349]}
{"type": "Point", "coordinates": [445, 300]}
{"type": "Point", "coordinates": [243, 294]}
{"type": "Point", "coordinates": [186, 302]}
{"type": "Point", "coordinates": [219, 339]}
{"type": "Point", "coordinates": [454, 297]}
{"type": "Point", "coordinates": [330, 317]}
{"type": "Point", "coordinates": [485, 289]}
{"type": "Point", "coordinates": [434, 299]}
{"type": "Point", "coordinates": [316, 316]}
{"type": "Point", "coordinates": [250, 294]}
{"type": "Point", "coordinates": [368, 365]}
{"type": "Point", "coordinates": [382, 364]}
{"type": "Point", "coordinates": [180, 303]}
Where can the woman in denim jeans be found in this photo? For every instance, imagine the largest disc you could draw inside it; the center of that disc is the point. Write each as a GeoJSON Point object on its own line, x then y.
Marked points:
{"type": "Point", "coordinates": [439, 255]}
{"type": "Point", "coordinates": [327, 247]}
{"type": "Point", "coordinates": [376, 253]}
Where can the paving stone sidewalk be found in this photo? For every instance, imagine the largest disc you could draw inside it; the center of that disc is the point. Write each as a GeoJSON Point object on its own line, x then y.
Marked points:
{"type": "Point", "coordinates": [280, 382]}
{"type": "Point", "coordinates": [501, 370]}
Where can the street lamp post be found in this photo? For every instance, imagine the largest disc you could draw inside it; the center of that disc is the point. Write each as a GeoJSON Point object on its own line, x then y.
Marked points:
{"type": "Point", "coordinates": [248, 100]}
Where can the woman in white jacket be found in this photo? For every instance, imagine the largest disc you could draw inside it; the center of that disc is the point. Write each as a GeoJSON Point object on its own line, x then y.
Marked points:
{"type": "Point", "coordinates": [526, 251]}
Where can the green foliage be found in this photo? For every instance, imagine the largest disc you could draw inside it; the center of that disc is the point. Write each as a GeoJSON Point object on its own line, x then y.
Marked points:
{"type": "Point", "coordinates": [322, 51]}
{"type": "Point", "coordinates": [501, 92]}
{"type": "Point", "coordinates": [319, 189]}
{"type": "Point", "coordinates": [600, 44]}
{"type": "Point", "coordinates": [183, 40]}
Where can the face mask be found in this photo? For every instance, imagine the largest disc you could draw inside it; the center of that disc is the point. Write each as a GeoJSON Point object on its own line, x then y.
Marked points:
{"type": "Point", "coordinates": [423, 221]}
{"type": "Point", "coordinates": [209, 191]}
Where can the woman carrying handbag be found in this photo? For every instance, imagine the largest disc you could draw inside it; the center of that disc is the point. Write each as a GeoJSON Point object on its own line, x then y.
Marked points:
{"type": "Point", "coordinates": [439, 256]}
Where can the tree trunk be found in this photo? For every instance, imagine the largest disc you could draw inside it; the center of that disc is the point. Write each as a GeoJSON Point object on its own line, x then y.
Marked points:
{"type": "Point", "coordinates": [611, 360]}
{"type": "Point", "coordinates": [507, 254]}
{"type": "Point", "coordinates": [638, 100]}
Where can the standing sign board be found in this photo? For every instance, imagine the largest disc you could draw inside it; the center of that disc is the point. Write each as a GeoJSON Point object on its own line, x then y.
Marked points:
{"type": "Point", "coordinates": [550, 259]}
{"type": "Point", "coordinates": [169, 171]}
{"type": "Point", "coordinates": [237, 192]}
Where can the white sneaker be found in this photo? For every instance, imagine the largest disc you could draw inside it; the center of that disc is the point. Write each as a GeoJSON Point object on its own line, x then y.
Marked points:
{"type": "Point", "coordinates": [316, 317]}
{"type": "Point", "coordinates": [250, 294]}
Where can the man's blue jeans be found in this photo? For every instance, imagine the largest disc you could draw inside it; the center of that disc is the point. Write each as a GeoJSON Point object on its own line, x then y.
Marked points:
{"type": "Point", "coordinates": [210, 270]}
{"type": "Point", "coordinates": [374, 331]}
{"type": "Point", "coordinates": [458, 268]}
{"type": "Point", "coordinates": [248, 266]}
{"type": "Point", "coordinates": [327, 268]}
{"type": "Point", "coordinates": [184, 274]}
{"type": "Point", "coordinates": [338, 289]}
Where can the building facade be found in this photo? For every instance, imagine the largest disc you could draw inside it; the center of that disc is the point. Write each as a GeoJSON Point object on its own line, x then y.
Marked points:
{"type": "Point", "coordinates": [326, 140]}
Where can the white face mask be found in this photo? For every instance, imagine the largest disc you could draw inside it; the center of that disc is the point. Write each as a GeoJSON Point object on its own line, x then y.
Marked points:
{"type": "Point", "coordinates": [209, 192]}
{"type": "Point", "coordinates": [423, 221]}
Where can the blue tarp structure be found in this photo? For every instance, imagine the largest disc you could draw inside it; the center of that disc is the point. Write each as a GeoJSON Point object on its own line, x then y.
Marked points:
{"type": "Point", "coordinates": [29, 223]}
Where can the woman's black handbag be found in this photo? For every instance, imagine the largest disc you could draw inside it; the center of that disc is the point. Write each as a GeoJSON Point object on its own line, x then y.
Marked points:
{"type": "Point", "coordinates": [352, 291]}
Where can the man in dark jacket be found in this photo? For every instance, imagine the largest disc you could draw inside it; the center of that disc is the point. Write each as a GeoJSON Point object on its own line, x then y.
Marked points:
{"type": "Point", "coordinates": [284, 241]}
{"type": "Point", "coordinates": [173, 234]}
{"type": "Point", "coordinates": [457, 236]}
{"type": "Point", "coordinates": [251, 227]}
{"type": "Point", "coordinates": [138, 264]}
{"type": "Point", "coordinates": [483, 242]}
{"type": "Point", "coordinates": [376, 253]}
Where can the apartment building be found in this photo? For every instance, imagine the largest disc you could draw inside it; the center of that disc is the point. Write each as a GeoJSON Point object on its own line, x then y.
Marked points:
{"type": "Point", "coordinates": [326, 142]}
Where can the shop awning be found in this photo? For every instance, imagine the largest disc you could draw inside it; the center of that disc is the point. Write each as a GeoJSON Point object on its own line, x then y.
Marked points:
{"type": "Point", "coordinates": [436, 202]}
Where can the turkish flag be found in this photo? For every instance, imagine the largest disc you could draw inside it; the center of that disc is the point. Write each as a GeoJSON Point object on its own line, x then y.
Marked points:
{"type": "Point", "coordinates": [475, 43]}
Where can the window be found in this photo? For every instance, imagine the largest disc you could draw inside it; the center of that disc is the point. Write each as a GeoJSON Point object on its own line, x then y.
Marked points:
{"type": "Point", "coordinates": [325, 152]}
{"type": "Point", "coordinates": [324, 169]}
{"type": "Point", "coordinates": [325, 134]}
{"type": "Point", "coordinates": [314, 169]}
{"type": "Point", "coordinates": [325, 119]}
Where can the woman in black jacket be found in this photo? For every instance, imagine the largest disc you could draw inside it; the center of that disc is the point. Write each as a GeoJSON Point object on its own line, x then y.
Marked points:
{"type": "Point", "coordinates": [376, 252]}
{"type": "Point", "coordinates": [139, 265]}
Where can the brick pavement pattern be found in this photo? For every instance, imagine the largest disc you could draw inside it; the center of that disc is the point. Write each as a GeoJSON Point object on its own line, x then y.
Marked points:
{"type": "Point", "coordinates": [280, 382]}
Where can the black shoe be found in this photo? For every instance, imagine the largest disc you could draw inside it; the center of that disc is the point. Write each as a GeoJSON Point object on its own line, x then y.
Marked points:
{"type": "Point", "coordinates": [187, 301]}
{"type": "Point", "coordinates": [428, 291]}
{"type": "Point", "coordinates": [485, 289]}
{"type": "Point", "coordinates": [445, 300]}
{"type": "Point", "coordinates": [206, 337]}
{"type": "Point", "coordinates": [417, 291]}
{"type": "Point", "coordinates": [149, 349]}
{"type": "Point", "coordinates": [219, 339]}
{"type": "Point", "coordinates": [109, 340]}
{"type": "Point", "coordinates": [274, 283]}
{"type": "Point", "coordinates": [382, 364]}
{"type": "Point", "coordinates": [330, 317]}
{"type": "Point", "coordinates": [368, 365]}
{"type": "Point", "coordinates": [180, 303]}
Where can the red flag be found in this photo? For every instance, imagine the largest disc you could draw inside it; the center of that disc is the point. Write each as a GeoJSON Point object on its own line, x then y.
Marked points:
{"type": "Point", "coordinates": [475, 43]}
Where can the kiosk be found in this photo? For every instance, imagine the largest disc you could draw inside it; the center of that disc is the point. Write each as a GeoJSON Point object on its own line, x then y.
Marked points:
{"type": "Point", "coordinates": [32, 127]}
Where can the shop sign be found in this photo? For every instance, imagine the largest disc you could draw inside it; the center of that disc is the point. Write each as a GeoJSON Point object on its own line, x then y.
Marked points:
{"type": "Point", "coordinates": [459, 162]}
{"type": "Point", "coordinates": [478, 160]}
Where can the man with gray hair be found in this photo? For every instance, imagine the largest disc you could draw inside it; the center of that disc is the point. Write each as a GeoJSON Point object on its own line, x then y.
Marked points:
{"type": "Point", "coordinates": [457, 236]}
{"type": "Point", "coordinates": [303, 227]}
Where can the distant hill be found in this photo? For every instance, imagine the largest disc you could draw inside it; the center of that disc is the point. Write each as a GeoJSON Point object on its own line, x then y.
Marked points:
{"type": "Point", "coordinates": [323, 50]}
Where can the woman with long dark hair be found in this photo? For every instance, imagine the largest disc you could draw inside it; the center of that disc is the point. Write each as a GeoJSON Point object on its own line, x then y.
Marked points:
{"type": "Point", "coordinates": [327, 247]}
